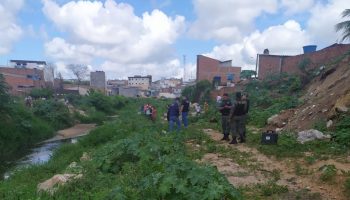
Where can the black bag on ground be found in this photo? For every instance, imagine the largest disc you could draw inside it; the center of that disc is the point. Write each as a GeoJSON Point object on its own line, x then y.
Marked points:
{"type": "Point", "coordinates": [269, 137]}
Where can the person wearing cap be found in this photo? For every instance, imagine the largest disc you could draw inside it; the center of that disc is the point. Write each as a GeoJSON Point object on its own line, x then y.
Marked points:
{"type": "Point", "coordinates": [237, 118]}
{"type": "Point", "coordinates": [225, 108]}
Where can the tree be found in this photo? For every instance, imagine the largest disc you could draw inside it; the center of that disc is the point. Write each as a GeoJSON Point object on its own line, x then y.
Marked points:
{"type": "Point", "coordinates": [4, 95]}
{"type": "Point", "coordinates": [79, 71]}
{"type": "Point", "coordinates": [344, 26]}
{"type": "Point", "coordinates": [247, 74]}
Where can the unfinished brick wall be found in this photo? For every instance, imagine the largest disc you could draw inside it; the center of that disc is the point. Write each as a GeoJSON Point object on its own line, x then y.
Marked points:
{"type": "Point", "coordinates": [16, 78]}
{"type": "Point", "coordinates": [208, 68]}
{"type": "Point", "coordinates": [269, 64]}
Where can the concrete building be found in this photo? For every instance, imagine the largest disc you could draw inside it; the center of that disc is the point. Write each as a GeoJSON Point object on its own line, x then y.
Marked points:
{"type": "Point", "coordinates": [275, 64]}
{"type": "Point", "coordinates": [217, 72]}
{"type": "Point", "coordinates": [113, 86]}
{"type": "Point", "coordinates": [129, 91]}
{"type": "Point", "coordinates": [142, 82]}
{"type": "Point", "coordinates": [22, 80]}
{"type": "Point", "coordinates": [98, 80]}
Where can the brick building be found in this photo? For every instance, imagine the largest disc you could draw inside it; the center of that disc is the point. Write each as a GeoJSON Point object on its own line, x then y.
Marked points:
{"type": "Point", "coordinates": [219, 71]}
{"type": "Point", "coordinates": [274, 64]}
{"type": "Point", "coordinates": [22, 80]}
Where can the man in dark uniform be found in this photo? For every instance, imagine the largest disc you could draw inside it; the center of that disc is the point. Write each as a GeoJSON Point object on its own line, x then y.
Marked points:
{"type": "Point", "coordinates": [237, 118]}
{"type": "Point", "coordinates": [225, 108]}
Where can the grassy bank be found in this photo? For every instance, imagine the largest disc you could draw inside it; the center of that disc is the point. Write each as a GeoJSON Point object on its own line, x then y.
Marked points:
{"type": "Point", "coordinates": [130, 159]}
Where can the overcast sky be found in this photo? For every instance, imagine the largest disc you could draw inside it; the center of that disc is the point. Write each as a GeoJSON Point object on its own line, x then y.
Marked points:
{"type": "Point", "coordinates": [129, 37]}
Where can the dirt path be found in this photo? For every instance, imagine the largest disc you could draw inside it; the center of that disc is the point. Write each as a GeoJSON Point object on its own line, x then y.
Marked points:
{"type": "Point", "coordinates": [72, 132]}
{"type": "Point", "coordinates": [269, 167]}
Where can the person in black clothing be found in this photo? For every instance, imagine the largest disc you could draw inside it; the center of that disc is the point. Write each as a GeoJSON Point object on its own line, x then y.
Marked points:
{"type": "Point", "coordinates": [237, 118]}
{"type": "Point", "coordinates": [185, 105]}
{"type": "Point", "coordinates": [225, 108]}
{"type": "Point", "coordinates": [174, 112]}
{"type": "Point", "coordinates": [245, 97]}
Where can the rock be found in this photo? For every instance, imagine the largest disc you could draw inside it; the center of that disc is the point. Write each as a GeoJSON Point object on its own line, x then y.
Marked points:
{"type": "Point", "coordinates": [341, 109]}
{"type": "Point", "coordinates": [329, 123]}
{"type": "Point", "coordinates": [85, 157]}
{"type": "Point", "coordinates": [272, 120]}
{"type": "Point", "coordinates": [324, 110]}
{"type": "Point", "coordinates": [310, 135]}
{"type": "Point", "coordinates": [279, 130]}
{"type": "Point", "coordinates": [56, 180]}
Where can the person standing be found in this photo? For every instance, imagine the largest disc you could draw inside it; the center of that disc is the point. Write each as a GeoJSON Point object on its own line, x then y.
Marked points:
{"type": "Point", "coordinates": [237, 118]}
{"type": "Point", "coordinates": [185, 107]}
{"type": "Point", "coordinates": [225, 108]}
{"type": "Point", "coordinates": [174, 112]}
{"type": "Point", "coordinates": [245, 98]}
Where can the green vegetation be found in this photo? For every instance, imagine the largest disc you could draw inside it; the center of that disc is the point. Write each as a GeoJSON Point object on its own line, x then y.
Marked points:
{"type": "Point", "coordinates": [55, 113]}
{"type": "Point", "coordinates": [328, 172]}
{"type": "Point", "coordinates": [199, 92]}
{"type": "Point", "coordinates": [130, 159]}
{"type": "Point", "coordinates": [41, 93]}
{"type": "Point", "coordinates": [344, 26]}
{"type": "Point", "coordinates": [247, 74]}
{"type": "Point", "coordinates": [342, 131]}
{"type": "Point", "coordinates": [269, 97]}
{"type": "Point", "coordinates": [22, 127]}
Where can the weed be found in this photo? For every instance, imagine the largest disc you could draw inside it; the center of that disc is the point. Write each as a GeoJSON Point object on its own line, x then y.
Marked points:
{"type": "Point", "coordinates": [300, 171]}
{"type": "Point", "coordinates": [328, 173]}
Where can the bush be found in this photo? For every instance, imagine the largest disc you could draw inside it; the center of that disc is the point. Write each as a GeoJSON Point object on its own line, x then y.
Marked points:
{"type": "Point", "coordinates": [54, 112]}
{"type": "Point", "coordinates": [41, 93]}
{"type": "Point", "coordinates": [328, 172]}
{"type": "Point", "coordinates": [342, 132]}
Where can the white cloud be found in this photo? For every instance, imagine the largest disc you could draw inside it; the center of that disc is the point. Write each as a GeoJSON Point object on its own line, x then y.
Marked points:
{"type": "Point", "coordinates": [228, 20]}
{"type": "Point", "coordinates": [286, 39]}
{"type": "Point", "coordinates": [171, 68]}
{"type": "Point", "coordinates": [296, 6]}
{"type": "Point", "coordinates": [10, 31]}
{"type": "Point", "coordinates": [323, 18]}
{"type": "Point", "coordinates": [111, 31]}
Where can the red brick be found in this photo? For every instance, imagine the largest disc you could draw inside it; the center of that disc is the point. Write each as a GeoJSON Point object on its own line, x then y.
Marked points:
{"type": "Point", "coordinates": [208, 68]}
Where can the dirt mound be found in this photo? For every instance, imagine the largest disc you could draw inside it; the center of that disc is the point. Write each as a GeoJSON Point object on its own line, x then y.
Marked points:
{"type": "Point", "coordinates": [307, 177]}
{"type": "Point", "coordinates": [325, 97]}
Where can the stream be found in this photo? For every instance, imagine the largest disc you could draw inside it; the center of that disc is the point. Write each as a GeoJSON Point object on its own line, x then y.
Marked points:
{"type": "Point", "coordinates": [37, 155]}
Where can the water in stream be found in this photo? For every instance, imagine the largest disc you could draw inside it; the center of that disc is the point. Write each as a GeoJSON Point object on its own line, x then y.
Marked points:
{"type": "Point", "coordinates": [38, 155]}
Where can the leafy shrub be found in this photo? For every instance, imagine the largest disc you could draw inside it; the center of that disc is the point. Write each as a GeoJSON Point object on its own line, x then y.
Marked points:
{"type": "Point", "coordinates": [328, 172]}
{"type": "Point", "coordinates": [54, 112]}
{"type": "Point", "coordinates": [41, 93]}
{"type": "Point", "coordinates": [342, 132]}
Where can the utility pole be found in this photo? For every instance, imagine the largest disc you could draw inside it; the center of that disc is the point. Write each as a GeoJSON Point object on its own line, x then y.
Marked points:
{"type": "Point", "coordinates": [184, 63]}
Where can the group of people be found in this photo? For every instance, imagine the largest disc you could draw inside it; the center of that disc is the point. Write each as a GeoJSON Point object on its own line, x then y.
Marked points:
{"type": "Point", "coordinates": [150, 111]}
{"type": "Point", "coordinates": [233, 117]}
{"type": "Point", "coordinates": [174, 111]}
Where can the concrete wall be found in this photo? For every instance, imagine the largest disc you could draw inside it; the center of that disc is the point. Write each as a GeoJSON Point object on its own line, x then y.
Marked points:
{"type": "Point", "coordinates": [269, 64]}
{"type": "Point", "coordinates": [208, 68]}
{"type": "Point", "coordinates": [98, 80]}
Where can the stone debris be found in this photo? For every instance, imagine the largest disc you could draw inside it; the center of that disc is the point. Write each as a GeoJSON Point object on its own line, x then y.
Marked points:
{"type": "Point", "coordinates": [57, 180]}
{"type": "Point", "coordinates": [329, 123]}
{"type": "Point", "coordinates": [310, 135]}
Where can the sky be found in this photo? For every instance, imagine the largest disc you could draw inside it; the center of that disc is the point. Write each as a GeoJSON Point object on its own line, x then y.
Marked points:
{"type": "Point", "coordinates": [162, 37]}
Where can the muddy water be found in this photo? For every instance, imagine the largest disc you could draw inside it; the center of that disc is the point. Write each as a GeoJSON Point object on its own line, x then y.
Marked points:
{"type": "Point", "coordinates": [38, 155]}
